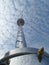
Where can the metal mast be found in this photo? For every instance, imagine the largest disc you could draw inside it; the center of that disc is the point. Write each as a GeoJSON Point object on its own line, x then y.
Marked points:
{"type": "Point", "coordinates": [20, 35]}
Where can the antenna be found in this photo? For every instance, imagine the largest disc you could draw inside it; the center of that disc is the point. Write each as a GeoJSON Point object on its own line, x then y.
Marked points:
{"type": "Point", "coordinates": [20, 22]}
{"type": "Point", "coordinates": [20, 35]}
{"type": "Point", "coordinates": [21, 12]}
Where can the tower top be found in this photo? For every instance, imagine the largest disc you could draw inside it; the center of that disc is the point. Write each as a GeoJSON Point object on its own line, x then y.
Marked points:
{"type": "Point", "coordinates": [20, 22]}
{"type": "Point", "coordinates": [20, 42]}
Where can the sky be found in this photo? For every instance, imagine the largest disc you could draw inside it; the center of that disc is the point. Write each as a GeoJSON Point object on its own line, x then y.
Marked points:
{"type": "Point", "coordinates": [36, 28]}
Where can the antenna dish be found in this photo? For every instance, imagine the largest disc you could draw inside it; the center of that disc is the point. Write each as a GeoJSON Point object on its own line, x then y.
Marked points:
{"type": "Point", "coordinates": [20, 22]}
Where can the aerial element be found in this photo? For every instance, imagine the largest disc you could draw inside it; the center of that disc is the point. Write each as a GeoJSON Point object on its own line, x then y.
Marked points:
{"type": "Point", "coordinates": [20, 22]}
{"type": "Point", "coordinates": [20, 42]}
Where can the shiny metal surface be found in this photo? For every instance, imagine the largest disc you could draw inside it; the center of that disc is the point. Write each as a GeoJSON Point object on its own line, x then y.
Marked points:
{"type": "Point", "coordinates": [29, 58]}
{"type": "Point", "coordinates": [23, 55]}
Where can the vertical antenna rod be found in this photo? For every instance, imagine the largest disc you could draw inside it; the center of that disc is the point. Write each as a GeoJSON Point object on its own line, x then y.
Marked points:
{"type": "Point", "coordinates": [20, 35]}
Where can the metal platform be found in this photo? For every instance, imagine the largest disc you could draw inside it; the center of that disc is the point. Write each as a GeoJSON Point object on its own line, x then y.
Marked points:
{"type": "Point", "coordinates": [22, 51]}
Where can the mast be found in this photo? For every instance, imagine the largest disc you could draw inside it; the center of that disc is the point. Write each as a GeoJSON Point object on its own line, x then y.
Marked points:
{"type": "Point", "coordinates": [20, 35]}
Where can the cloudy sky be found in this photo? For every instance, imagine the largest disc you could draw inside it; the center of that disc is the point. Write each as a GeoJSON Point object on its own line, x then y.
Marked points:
{"type": "Point", "coordinates": [36, 28]}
